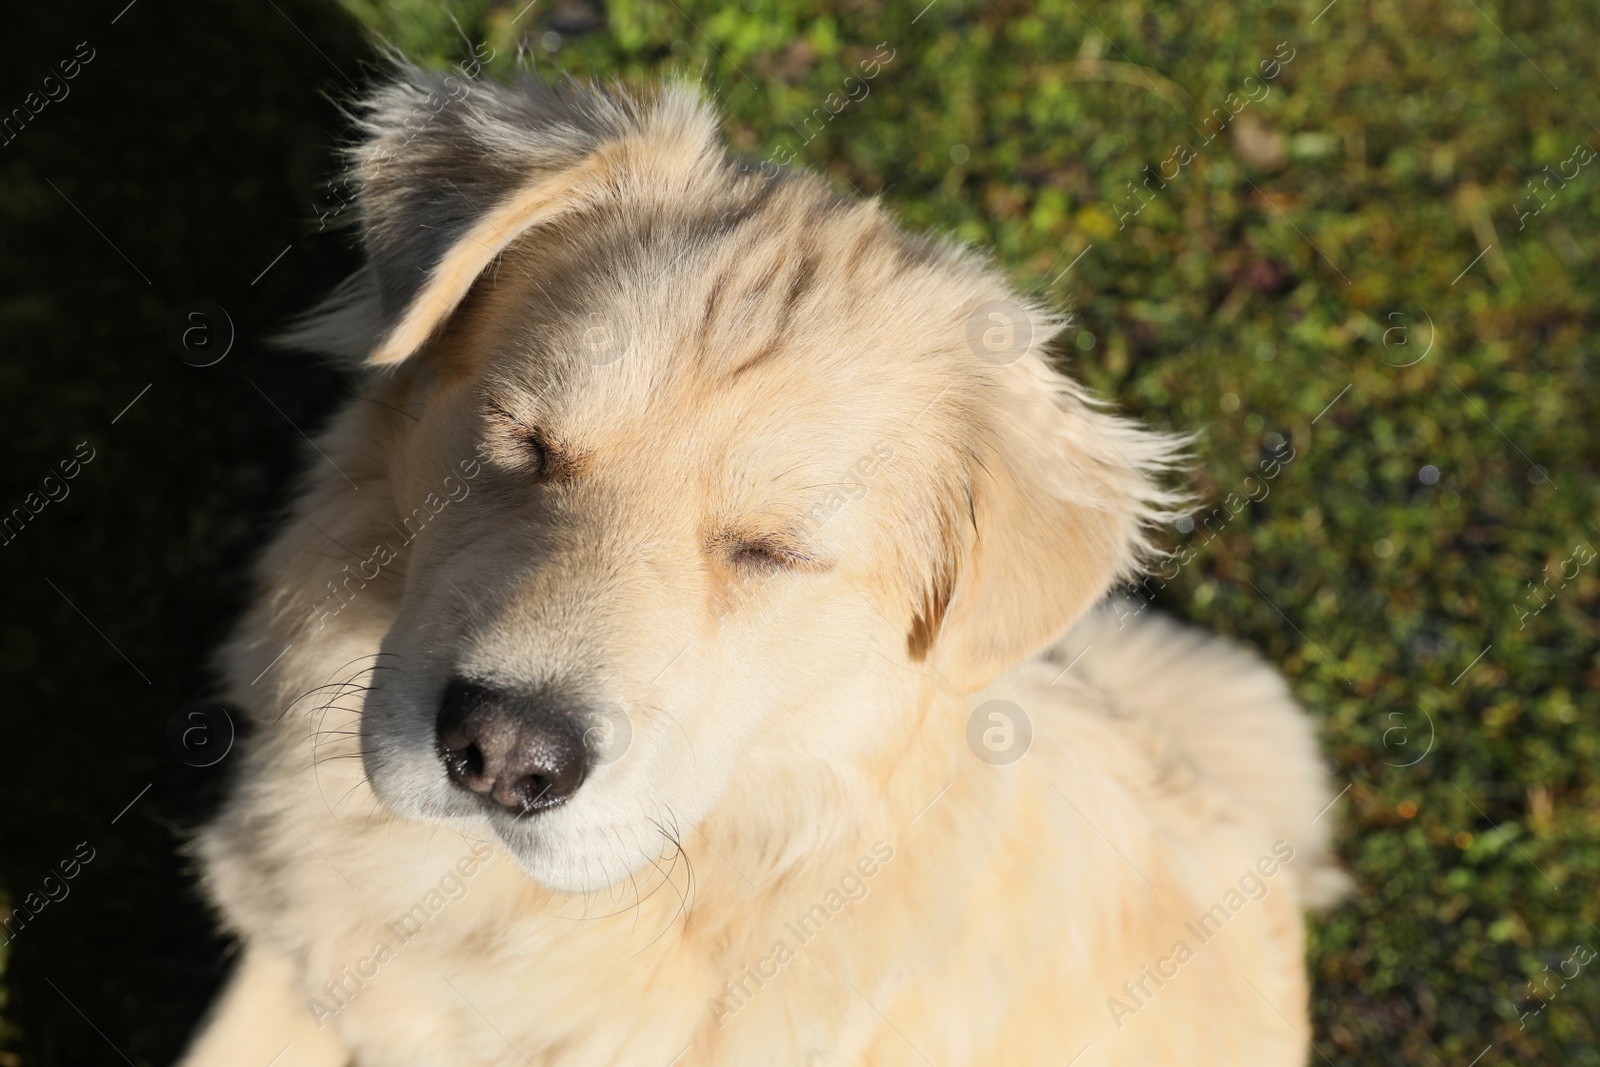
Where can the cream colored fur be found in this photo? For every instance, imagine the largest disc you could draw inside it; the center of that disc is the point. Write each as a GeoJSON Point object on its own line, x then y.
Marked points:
{"type": "Point", "coordinates": [793, 373]}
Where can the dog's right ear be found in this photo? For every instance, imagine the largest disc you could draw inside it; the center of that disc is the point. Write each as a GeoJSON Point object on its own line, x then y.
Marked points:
{"type": "Point", "coordinates": [1060, 498]}
{"type": "Point", "coordinates": [450, 170]}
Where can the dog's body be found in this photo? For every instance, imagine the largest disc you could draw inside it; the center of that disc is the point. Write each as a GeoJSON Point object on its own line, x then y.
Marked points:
{"type": "Point", "coordinates": [752, 561]}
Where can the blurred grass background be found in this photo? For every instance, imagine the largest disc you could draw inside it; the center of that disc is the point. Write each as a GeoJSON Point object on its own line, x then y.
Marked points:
{"type": "Point", "coordinates": [1347, 263]}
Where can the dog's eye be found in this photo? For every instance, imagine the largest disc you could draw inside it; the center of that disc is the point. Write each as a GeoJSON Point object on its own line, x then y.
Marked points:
{"type": "Point", "coordinates": [768, 556]}
{"type": "Point", "coordinates": [517, 444]}
{"type": "Point", "coordinates": [538, 455]}
{"type": "Point", "coordinates": [529, 453]}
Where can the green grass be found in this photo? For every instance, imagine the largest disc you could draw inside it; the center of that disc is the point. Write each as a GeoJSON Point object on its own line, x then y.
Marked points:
{"type": "Point", "coordinates": [1296, 261]}
{"type": "Point", "coordinates": [1313, 272]}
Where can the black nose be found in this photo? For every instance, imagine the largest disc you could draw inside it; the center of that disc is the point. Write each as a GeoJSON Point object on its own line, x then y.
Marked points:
{"type": "Point", "coordinates": [517, 751]}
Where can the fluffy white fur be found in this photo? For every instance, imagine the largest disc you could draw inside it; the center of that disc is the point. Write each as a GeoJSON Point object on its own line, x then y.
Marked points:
{"type": "Point", "coordinates": [712, 449]}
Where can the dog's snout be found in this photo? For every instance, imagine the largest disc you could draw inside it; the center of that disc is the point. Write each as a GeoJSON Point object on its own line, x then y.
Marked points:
{"type": "Point", "coordinates": [517, 751]}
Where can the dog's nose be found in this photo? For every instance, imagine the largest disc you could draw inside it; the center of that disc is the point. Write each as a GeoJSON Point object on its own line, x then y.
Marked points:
{"type": "Point", "coordinates": [515, 750]}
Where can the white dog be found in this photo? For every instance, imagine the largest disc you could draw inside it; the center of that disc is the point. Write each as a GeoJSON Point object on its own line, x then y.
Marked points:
{"type": "Point", "coordinates": [664, 663]}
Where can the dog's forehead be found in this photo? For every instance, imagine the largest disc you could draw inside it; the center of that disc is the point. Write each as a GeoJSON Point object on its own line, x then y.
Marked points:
{"type": "Point", "coordinates": [807, 326]}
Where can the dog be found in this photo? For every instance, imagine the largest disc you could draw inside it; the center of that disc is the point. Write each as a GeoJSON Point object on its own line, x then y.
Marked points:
{"type": "Point", "coordinates": [691, 646]}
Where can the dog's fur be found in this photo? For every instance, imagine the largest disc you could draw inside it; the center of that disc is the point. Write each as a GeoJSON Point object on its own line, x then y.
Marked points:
{"type": "Point", "coordinates": [708, 453]}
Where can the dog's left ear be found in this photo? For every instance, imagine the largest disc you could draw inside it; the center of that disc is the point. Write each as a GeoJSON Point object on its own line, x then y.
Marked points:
{"type": "Point", "coordinates": [449, 170]}
{"type": "Point", "coordinates": [1060, 496]}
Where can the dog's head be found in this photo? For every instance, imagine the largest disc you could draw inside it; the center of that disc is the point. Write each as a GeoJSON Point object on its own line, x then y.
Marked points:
{"type": "Point", "coordinates": [714, 473]}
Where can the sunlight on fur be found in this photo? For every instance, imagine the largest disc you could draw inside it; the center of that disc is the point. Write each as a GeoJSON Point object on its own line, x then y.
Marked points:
{"type": "Point", "coordinates": [619, 662]}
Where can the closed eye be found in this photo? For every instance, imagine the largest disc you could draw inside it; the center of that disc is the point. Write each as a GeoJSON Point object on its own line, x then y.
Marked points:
{"type": "Point", "coordinates": [538, 454]}
{"type": "Point", "coordinates": [517, 444]}
{"type": "Point", "coordinates": [771, 556]}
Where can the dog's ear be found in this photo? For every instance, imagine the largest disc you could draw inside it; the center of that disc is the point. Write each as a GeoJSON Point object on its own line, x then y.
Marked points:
{"type": "Point", "coordinates": [449, 170]}
{"type": "Point", "coordinates": [1058, 502]}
